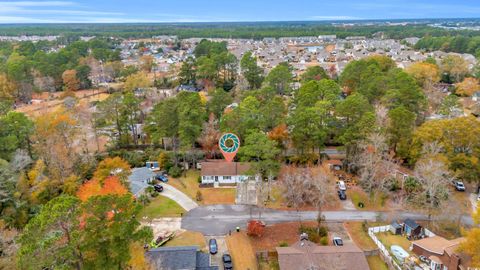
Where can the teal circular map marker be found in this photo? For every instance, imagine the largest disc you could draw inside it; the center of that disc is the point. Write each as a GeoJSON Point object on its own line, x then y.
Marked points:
{"type": "Point", "coordinates": [229, 152]}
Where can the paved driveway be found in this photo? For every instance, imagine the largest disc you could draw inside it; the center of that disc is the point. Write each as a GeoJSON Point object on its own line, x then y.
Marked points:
{"type": "Point", "coordinates": [219, 219]}
{"type": "Point", "coordinates": [216, 259]}
{"type": "Point", "coordinates": [179, 197]}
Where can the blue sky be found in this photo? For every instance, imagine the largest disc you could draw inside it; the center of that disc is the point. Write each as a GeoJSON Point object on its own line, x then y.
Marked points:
{"type": "Point", "coordinates": [118, 11]}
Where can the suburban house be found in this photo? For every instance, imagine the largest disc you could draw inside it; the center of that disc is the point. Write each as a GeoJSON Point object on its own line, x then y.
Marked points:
{"type": "Point", "coordinates": [225, 173]}
{"type": "Point", "coordinates": [308, 255]}
{"type": "Point", "coordinates": [442, 253]}
{"type": "Point", "coordinates": [176, 258]}
{"type": "Point", "coordinates": [139, 180]}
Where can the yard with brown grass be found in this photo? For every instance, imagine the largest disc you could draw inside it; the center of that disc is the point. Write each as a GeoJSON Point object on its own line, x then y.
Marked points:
{"type": "Point", "coordinates": [240, 248]}
{"type": "Point", "coordinates": [188, 238]}
{"type": "Point", "coordinates": [360, 236]}
{"type": "Point", "coordinates": [190, 186]}
{"type": "Point", "coordinates": [388, 239]}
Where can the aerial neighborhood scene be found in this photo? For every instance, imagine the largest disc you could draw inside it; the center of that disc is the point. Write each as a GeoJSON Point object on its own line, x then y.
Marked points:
{"type": "Point", "coordinates": [247, 135]}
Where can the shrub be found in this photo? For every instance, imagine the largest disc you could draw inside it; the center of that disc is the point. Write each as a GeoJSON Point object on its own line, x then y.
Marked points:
{"type": "Point", "coordinates": [323, 231]}
{"type": "Point", "coordinates": [199, 179]}
{"type": "Point", "coordinates": [313, 233]}
{"type": "Point", "coordinates": [175, 172]}
{"type": "Point", "coordinates": [199, 196]}
{"type": "Point", "coordinates": [283, 244]}
{"type": "Point", "coordinates": [324, 241]}
{"type": "Point", "coordinates": [149, 190]}
{"type": "Point", "coordinates": [164, 161]}
{"type": "Point", "coordinates": [144, 199]}
{"type": "Point", "coordinates": [365, 226]}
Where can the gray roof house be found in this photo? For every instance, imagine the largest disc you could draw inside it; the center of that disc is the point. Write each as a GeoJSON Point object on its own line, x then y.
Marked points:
{"type": "Point", "coordinates": [179, 258]}
{"type": "Point", "coordinates": [138, 180]}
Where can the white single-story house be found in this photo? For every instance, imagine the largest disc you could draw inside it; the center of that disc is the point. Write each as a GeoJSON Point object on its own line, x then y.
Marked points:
{"type": "Point", "coordinates": [226, 173]}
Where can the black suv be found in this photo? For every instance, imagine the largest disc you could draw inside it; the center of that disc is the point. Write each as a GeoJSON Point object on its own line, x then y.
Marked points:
{"type": "Point", "coordinates": [227, 262]}
{"type": "Point", "coordinates": [158, 188]}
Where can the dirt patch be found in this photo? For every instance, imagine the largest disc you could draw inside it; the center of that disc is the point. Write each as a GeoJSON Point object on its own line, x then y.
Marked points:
{"type": "Point", "coordinates": [164, 226]}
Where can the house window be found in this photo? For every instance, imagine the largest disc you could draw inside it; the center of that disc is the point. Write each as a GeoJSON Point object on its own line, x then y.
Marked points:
{"type": "Point", "coordinates": [435, 265]}
{"type": "Point", "coordinates": [227, 178]}
{"type": "Point", "coordinates": [207, 178]}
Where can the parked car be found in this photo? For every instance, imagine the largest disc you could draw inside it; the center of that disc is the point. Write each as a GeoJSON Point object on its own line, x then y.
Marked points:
{"type": "Point", "coordinates": [212, 246]}
{"type": "Point", "coordinates": [161, 177]}
{"type": "Point", "coordinates": [337, 241]}
{"type": "Point", "coordinates": [227, 262]}
{"type": "Point", "coordinates": [424, 259]}
{"type": "Point", "coordinates": [158, 188]}
{"type": "Point", "coordinates": [342, 186]}
{"type": "Point", "coordinates": [342, 195]}
{"type": "Point", "coordinates": [459, 186]}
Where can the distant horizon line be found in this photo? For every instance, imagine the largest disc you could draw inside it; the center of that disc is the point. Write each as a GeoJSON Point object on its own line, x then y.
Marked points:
{"type": "Point", "coordinates": [239, 22]}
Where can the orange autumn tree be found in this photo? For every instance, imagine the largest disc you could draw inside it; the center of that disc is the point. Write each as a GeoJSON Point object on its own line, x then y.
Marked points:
{"type": "Point", "coordinates": [70, 81]}
{"type": "Point", "coordinates": [110, 186]}
{"type": "Point", "coordinates": [112, 167]}
{"type": "Point", "coordinates": [467, 87]}
{"type": "Point", "coordinates": [280, 135]}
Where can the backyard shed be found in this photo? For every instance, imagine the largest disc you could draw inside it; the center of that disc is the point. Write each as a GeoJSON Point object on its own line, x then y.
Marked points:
{"type": "Point", "coordinates": [412, 228]}
{"type": "Point", "coordinates": [396, 228]}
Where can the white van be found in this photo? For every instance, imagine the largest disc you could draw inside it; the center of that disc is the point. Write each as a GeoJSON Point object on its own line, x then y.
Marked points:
{"type": "Point", "coordinates": [341, 185]}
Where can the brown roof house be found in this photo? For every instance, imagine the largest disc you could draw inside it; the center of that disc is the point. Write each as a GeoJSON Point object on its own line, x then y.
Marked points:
{"type": "Point", "coordinates": [306, 255]}
{"type": "Point", "coordinates": [441, 252]}
{"type": "Point", "coordinates": [225, 173]}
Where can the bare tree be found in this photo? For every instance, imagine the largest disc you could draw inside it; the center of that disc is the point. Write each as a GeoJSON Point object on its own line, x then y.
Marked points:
{"type": "Point", "coordinates": [307, 186]}
{"type": "Point", "coordinates": [293, 188]}
{"type": "Point", "coordinates": [381, 113]}
{"type": "Point", "coordinates": [434, 177]}
{"type": "Point", "coordinates": [375, 162]}
{"type": "Point", "coordinates": [318, 192]}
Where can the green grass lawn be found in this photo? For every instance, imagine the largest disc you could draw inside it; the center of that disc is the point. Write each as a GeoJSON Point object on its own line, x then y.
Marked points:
{"type": "Point", "coordinates": [376, 263]}
{"type": "Point", "coordinates": [162, 207]}
{"type": "Point", "coordinates": [357, 195]}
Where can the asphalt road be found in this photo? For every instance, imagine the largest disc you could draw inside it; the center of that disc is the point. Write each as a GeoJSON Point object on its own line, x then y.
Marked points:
{"type": "Point", "coordinates": [219, 219]}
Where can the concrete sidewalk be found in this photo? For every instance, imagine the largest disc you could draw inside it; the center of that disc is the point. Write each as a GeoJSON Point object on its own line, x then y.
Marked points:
{"type": "Point", "coordinates": [179, 197]}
